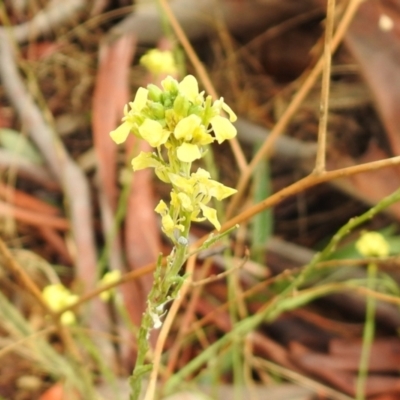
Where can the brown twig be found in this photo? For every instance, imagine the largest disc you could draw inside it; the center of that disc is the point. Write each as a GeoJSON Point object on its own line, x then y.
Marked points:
{"type": "Point", "coordinates": [303, 184]}
{"type": "Point", "coordinates": [299, 97]}
{"type": "Point", "coordinates": [326, 77]}
{"type": "Point", "coordinates": [33, 217]}
{"type": "Point", "coordinates": [130, 276]}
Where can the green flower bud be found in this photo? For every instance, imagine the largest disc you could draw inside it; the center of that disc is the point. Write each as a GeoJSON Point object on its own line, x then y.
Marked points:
{"type": "Point", "coordinates": [181, 106]}
{"type": "Point", "coordinates": [170, 85]}
{"type": "Point", "coordinates": [156, 110]}
{"type": "Point", "coordinates": [155, 93]}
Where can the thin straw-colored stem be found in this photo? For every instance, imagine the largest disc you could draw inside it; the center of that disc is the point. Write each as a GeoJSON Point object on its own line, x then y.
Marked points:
{"type": "Point", "coordinates": [368, 334]}
{"type": "Point", "coordinates": [326, 77]}
{"type": "Point", "coordinates": [297, 100]}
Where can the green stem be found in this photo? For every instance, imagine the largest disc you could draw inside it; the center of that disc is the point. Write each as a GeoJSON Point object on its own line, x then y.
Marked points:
{"type": "Point", "coordinates": [166, 286]}
{"type": "Point", "coordinates": [368, 335]}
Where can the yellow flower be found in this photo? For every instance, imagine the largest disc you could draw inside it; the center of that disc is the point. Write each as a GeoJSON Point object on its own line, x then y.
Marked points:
{"type": "Point", "coordinates": [159, 62]}
{"type": "Point", "coordinates": [153, 133]}
{"type": "Point", "coordinates": [149, 160]}
{"type": "Point", "coordinates": [187, 152]}
{"type": "Point", "coordinates": [210, 188]}
{"type": "Point", "coordinates": [199, 189]}
{"type": "Point", "coordinates": [223, 129]}
{"type": "Point", "coordinates": [185, 202]}
{"type": "Point", "coordinates": [218, 104]}
{"type": "Point", "coordinates": [211, 215]}
{"type": "Point", "coordinates": [186, 127]}
{"type": "Point", "coordinates": [120, 134]}
{"type": "Point", "coordinates": [372, 244]}
{"type": "Point", "coordinates": [108, 278]}
{"type": "Point", "coordinates": [57, 296]}
{"type": "Point", "coordinates": [167, 222]}
{"type": "Point", "coordinates": [140, 100]}
{"type": "Point", "coordinates": [189, 87]}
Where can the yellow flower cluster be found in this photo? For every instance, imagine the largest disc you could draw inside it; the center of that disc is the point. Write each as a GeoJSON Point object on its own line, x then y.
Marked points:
{"type": "Point", "coordinates": [57, 296]}
{"type": "Point", "coordinates": [159, 62]}
{"type": "Point", "coordinates": [179, 122]}
{"type": "Point", "coordinates": [108, 278]}
{"type": "Point", "coordinates": [372, 244]}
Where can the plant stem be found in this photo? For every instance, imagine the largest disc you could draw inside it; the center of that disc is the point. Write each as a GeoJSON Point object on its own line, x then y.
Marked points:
{"type": "Point", "coordinates": [167, 283]}
{"type": "Point", "coordinates": [368, 334]}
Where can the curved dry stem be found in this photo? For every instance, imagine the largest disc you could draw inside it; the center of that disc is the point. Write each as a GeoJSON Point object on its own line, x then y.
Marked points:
{"type": "Point", "coordinates": [303, 184]}
{"type": "Point", "coordinates": [299, 97]}
{"type": "Point", "coordinates": [130, 276]}
{"type": "Point", "coordinates": [326, 77]}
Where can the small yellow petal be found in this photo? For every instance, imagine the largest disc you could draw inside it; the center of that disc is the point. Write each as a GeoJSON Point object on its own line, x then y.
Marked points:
{"type": "Point", "coordinates": [187, 152]}
{"type": "Point", "coordinates": [153, 133]}
{"type": "Point", "coordinates": [183, 184]}
{"type": "Point", "coordinates": [229, 111]}
{"type": "Point", "coordinates": [168, 225]}
{"type": "Point", "coordinates": [220, 191]}
{"type": "Point", "coordinates": [185, 202]}
{"type": "Point", "coordinates": [140, 100]}
{"type": "Point", "coordinates": [161, 208]}
{"type": "Point", "coordinates": [223, 129]}
{"type": "Point", "coordinates": [211, 215]}
{"type": "Point", "coordinates": [120, 134]}
{"type": "Point", "coordinates": [144, 160]}
{"type": "Point", "coordinates": [189, 87]}
{"type": "Point", "coordinates": [186, 127]}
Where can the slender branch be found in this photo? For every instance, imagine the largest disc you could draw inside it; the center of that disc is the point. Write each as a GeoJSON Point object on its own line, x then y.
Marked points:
{"type": "Point", "coordinates": [303, 184]}
{"type": "Point", "coordinates": [299, 97]}
{"type": "Point", "coordinates": [326, 76]}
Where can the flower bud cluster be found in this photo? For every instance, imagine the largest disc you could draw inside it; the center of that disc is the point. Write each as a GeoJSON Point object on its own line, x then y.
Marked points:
{"type": "Point", "coordinates": [57, 296]}
{"type": "Point", "coordinates": [372, 244]}
{"type": "Point", "coordinates": [179, 122]}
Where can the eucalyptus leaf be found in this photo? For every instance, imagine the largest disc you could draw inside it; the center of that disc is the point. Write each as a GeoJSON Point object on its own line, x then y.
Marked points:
{"type": "Point", "coordinates": [19, 144]}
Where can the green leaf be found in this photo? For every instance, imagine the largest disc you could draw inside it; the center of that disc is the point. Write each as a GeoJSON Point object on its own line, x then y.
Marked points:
{"type": "Point", "coordinates": [20, 145]}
